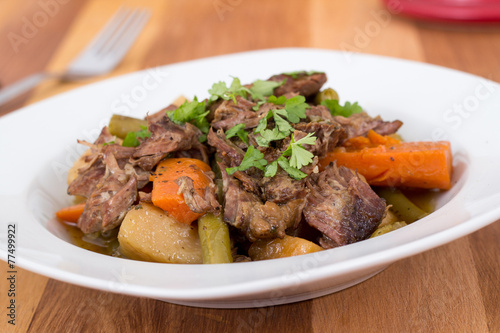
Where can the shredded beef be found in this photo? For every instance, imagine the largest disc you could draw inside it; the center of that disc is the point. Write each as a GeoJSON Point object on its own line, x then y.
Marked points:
{"type": "Point", "coordinates": [229, 153]}
{"type": "Point", "coordinates": [342, 206]}
{"type": "Point", "coordinates": [282, 188]}
{"type": "Point", "coordinates": [228, 114]}
{"type": "Point", "coordinates": [245, 211]}
{"type": "Point", "coordinates": [94, 169]}
{"type": "Point", "coordinates": [198, 204]}
{"type": "Point", "coordinates": [319, 113]}
{"type": "Point", "coordinates": [110, 201]}
{"type": "Point", "coordinates": [166, 137]}
{"type": "Point", "coordinates": [359, 124]}
{"type": "Point", "coordinates": [327, 136]}
{"type": "Point", "coordinates": [301, 83]}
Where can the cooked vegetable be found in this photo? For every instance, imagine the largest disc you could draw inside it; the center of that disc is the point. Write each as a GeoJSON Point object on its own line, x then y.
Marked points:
{"type": "Point", "coordinates": [215, 241]}
{"type": "Point", "coordinates": [388, 228]}
{"type": "Point", "coordinates": [147, 233]}
{"type": "Point", "coordinates": [71, 213]}
{"type": "Point", "coordinates": [120, 126]}
{"type": "Point", "coordinates": [165, 192]}
{"type": "Point", "coordinates": [401, 206]}
{"type": "Point", "coordinates": [413, 164]}
{"type": "Point", "coordinates": [323, 95]}
{"type": "Point", "coordinates": [287, 246]}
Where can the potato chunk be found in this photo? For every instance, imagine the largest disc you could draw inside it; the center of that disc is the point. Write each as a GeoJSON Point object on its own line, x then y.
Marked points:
{"type": "Point", "coordinates": [148, 233]}
{"type": "Point", "coordinates": [288, 246]}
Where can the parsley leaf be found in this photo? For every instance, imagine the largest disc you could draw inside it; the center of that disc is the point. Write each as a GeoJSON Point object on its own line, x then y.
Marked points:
{"type": "Point", "coordinates": [192, 112]}
{"type": "Point", "coordinates": [253, 158]}
{"type": "Point", "coordinates": [271, 169]}
{"type": "Point", "coordinates": [296, 108]}
{"type": "Point", "coordinates": [277, 100]}
{"type": "Point", "coordinates": [220, 90]}
{"type": "Point", "coordinates": [338, 110]}
{"type": "Point", "coordinates": [266, 136]}
{"type": "Point", "coordinates": [292, 171]}
{"type": "Point", "coordinates": [238, 130]}
{"type": "Point", "coordinates": [261, 89]}
{"type": "Point", "coordinates": [132, 138]}
{"type": "Point", "coordinates": [283, 126]}
{"type": "Point", "coordinates": [299, 156]}
{"type": "Point", "coordinates": [281, 131]}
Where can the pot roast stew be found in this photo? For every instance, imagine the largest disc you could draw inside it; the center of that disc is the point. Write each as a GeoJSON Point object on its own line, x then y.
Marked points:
{"type": "Point", "coordinates": [270, 169]}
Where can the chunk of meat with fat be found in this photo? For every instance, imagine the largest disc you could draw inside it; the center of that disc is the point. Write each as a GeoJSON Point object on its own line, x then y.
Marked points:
{"type": "Point", "coordinates": [167, 137]}
{"type": "Point", "coordinates": [245, 211]}
{"type": "Point", "coordinates": [342, 206]}
{"type": "Point", "coordinates": [110, 201]}
{"type": "Point", "coordinates": [302, 83]}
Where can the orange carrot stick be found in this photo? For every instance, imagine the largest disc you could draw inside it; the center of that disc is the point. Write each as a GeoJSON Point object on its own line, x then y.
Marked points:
{"type": "Point", "coordinates": [71, 213]}
{"type": "Point", "coordinates": [385, 161]}
{"type": "Point", "coordinates": [165, 194]}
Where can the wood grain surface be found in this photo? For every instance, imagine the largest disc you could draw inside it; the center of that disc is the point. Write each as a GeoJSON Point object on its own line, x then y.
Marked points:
{"type": "Point", "coordinates": [453, 288]}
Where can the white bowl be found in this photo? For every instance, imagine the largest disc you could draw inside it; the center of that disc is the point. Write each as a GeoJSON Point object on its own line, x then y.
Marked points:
{"type": "Point", "coordinates": [38, 145]}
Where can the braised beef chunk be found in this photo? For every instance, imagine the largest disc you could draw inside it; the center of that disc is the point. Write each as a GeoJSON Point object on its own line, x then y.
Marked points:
{"type": "Point", "coordinates": [319, 113]}
{"type": "Point", "coordinates": [301, 83]}
{"type": "Point", "coordinates": [246, 211]}
{"type": "Point", "coordinates": [199, 204]}
{"type": "Point", "coordinates": [228, 114]}
{"type": "Point", "coordinates": [359, 124]}
{"type": "Point", "coordinates": [282, 188]}
{"type": "Point", "coordinates": [91, 173]}
{"type": "Point", "coordinates": [87, 180]}
{"type": "Point", "coordinates": [110, 201]}
{"type": "Point", "coordinates": [166, 137]}
{"type": "Point", "coordinates": [327, 135]}
{"type": "Point", "coordinates": [342, 206]}
{"type": "Point", "coordinates": [229, 153]}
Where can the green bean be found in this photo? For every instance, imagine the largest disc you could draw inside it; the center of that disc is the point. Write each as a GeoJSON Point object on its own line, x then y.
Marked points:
{"type": "Point", "coordinates": [328, 93]}
{"type": "Point", "coordinates": [121, 125]}
{"type": "Point", "coordinates": [401, 206]}
{"type": "Point", "coordinates": [214, 237]}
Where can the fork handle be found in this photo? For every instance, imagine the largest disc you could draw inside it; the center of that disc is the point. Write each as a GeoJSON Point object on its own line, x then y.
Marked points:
{"type": "Point", "coordinates": [20, 87]}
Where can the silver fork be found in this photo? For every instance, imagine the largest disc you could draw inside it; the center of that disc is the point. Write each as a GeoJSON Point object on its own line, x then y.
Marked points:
{"type": "Point", "coordinates": [103, 53]}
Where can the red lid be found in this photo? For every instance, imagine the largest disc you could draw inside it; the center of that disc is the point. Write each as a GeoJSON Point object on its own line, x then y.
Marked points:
{"type": "Point", "coordinates": [449, 10]}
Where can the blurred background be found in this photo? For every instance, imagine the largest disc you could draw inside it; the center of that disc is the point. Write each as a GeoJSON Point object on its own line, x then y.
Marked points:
{"type": "Point", "coordinates": [46, 34]}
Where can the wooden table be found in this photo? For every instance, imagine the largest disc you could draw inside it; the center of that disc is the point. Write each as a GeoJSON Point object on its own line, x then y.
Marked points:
{"type": "Point", "coordinates": [454, 288]}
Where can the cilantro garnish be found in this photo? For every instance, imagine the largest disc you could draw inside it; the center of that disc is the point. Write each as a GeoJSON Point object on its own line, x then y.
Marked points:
{"type": "Point", "coordinates": [299, 156]}
{"type": "Point", "coordinates": [192, 112]}
{"type": "Point", "coordinates": [261, 89]}
{"type": "Point", "coordinates": [277, 100]}
{"type": "Point", "coordinates": [253, 158]}
{"type": "Point", "coordinates": [338, 110]}
{"type": "Point", "coordinates": [132, 138]}
{"type": "Point", "coordinates": [296, 108]}
{"type": "Point", "coordinates": [286, 112]}
{"type": "Point", "coordinates": [292, 171]}
{"type": "Point", "coordinates": [238, 130]}
{"type": "Point", "coordinates": [221, 90]}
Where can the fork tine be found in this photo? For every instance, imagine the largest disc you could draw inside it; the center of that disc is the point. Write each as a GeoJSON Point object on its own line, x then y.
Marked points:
{"type": "Point", "coordinates": [125, 35]}
{"type": "Point", "coordinates": [99, 41]}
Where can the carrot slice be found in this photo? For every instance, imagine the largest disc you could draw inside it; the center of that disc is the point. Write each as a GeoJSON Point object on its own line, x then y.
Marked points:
{"type": "Point", "coordinates": [71, 213]}
{"type": "Point", "coordinates": [165, 194]}
{"type": "Point", "coordinates": [385, 161]}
